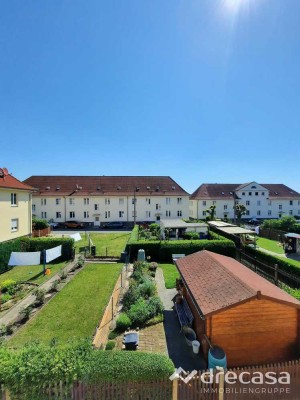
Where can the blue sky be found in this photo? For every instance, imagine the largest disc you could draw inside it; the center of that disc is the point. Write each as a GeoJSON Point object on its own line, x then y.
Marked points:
{"type": "Point", "coordinates": [202, 90]}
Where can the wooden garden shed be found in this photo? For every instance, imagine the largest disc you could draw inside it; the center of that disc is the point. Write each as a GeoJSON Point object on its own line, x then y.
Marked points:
{"type": "Point", "coordinates": [254, 321]}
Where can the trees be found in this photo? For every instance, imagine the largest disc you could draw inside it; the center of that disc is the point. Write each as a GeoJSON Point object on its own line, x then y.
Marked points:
{"type": "Point", "coordinates": [240, 210]}
{"type": "Point", "coordinates": [212, 212]}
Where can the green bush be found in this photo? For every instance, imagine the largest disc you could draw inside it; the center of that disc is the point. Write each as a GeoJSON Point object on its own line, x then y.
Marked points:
{"type": "Point", "coordinates": [147, 289]}
{"type": "Point", "coordinates": [110, 345]}
{"type": "Point", "coordinates": [131, 296]}
{"type": "Point", "coordinates": [151, 248]}
{"type": "Point", "coordinates": [139, 313]}
{"type": "Point", "coordinates": [123, 322]}
{"type": "Point", "coordinates": [5, 250]}
{"type": "Point", "coordinates": [155, 320]}
{"type": "Point", "coordinates": [113, 334]}
{"type": "Point", "coordinates": [155, 307]}
{"type": "Point", "coordinates": [39, 224]}
{"type": "Point", "coordinates": [8, 286]}
{"type": "Point", "coordinates": [5, 297]}
{"type": "Point", "coordinates": [191, 236]}
{"type": "Point", "coordinates": [39, 295]}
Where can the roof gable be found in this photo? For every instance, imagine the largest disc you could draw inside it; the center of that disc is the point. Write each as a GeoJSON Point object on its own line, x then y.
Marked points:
{"type": "Point", "coordinates": [217, 282]}
{"type": "Point", "coordinates": [10, 182]}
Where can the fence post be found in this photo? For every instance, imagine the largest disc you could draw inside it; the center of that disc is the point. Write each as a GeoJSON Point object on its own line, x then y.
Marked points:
{"type": "Point", "coordinates": [175, 389]}
{"type": "Point", "coordinates": [276, 275]}
{"type": "Point", "coordinates": [221, 385]}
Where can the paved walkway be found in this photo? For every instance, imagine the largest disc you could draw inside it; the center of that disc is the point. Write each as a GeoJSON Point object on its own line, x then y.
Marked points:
{"type": "Point", "coordinates": [180, 353]}
{"type": "Point", "coordinates": [13, 313]}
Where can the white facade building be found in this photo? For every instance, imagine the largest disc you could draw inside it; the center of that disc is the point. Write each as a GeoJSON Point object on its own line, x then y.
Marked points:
{"type": "Point", "coordinates": [262, 201]}
{"type": "Point", "coordinates": [98, 199]}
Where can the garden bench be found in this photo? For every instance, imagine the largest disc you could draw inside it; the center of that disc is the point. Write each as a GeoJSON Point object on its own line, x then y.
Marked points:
{"type": "Point", "coordinates": [184, 313]}
{"type": "Point", "coordinates": [177, 256]}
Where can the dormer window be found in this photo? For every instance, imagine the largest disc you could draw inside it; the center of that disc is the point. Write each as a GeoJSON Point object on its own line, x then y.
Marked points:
{"type": "Point", "coordinates": [148, 187]}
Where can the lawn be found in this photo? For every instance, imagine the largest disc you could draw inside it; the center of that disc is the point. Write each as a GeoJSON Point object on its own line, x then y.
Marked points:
{"type": "Point", "coordinates": [31, 273]}
{"type": "Point", "coordinates": [76, 310]}
{"type": "Point", "coordinates": [111, 244]}
{"type": "Point", "coordinates": [170, 275]}
{"type": "Point", "coordinates": [271, 245]}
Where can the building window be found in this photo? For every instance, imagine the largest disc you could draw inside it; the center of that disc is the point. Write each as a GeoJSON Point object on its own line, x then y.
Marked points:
{"type": "Point", "coordinates": [269, 202]}
{"type": "Point", "coordinates": [250, 193]}
{"type": "Point", "coordinates": [243, 193]}
{"type": "Point", "coordinates": [148, 200]}
{"type": "Point", "coordinates": [157, 206]}
{"type": "Point", "coordinates": [214, 202]}
{"type": "Point", "coordinates": [121, 214]}
{"type": "Point", "coordinates": [258, 202]}
{"type": "Point", "coordinates": [13, 199]}
{"type": "Point", "coordinates": [291, 212]}
{"type": "Point", "coordinates": [179, 200]}
{"type": "Point", "coordinates": [71, 202]}
{"type": "Point", "coordinates": [72, 214]}
{"type": "Point", "coordinates": [148, 214]}
{"type": "Point", "coordinates": [86, 201]}
{"type": "Point", "coordinates": [247, 203]}
{"type": "Point", "coordinates": [33, 207]}
{"type": "Point", "coordinates": [121, 202]}
{"type": "Point", "coordinates": [262, 193]}
{"type": "Point", "coordinates": [258, 212]}
{"type": "Point", "coordinates": [269, 212]}
{"type": "Point", "coordinates": [247, 212]}
{"type": "Point", "coordinates": [107, 214]}
{"type": "Point", "coordinates": [168, 213]}
{"type": "Point", "coordinates": [225, 207]}
{"type": "Point", "coordinates": [179, 213]}
{"type": "Point", "coordinates": [291, 202]}
{"type": "Point", "coordinates": [58, 214]}
{"type": "Point", "coordinates": [168, 200]}
{"type": "Point", "coordinates": [14, 225]}
{"type": "Point", "coordinates": [298, 202]}
{"type": "Point", "coordinates": [204, 203]}
{"type": "Point", "coordinates": [280, 207]}
{"type": "Point", "coordinates": [204, 213]}
{"type": "Point", "coordinates": [96, 206]}
{"type": "Point", "coordinates": [44, 214]}
{"type": "Point", "coordinates": [256, 193]}
{"type": "Point", "coordinates": [43, 202]}
{"type": "Point", "coordinates": [280, 215]}
{"type": "Point", "coordinates": [107, 202]}
{"type": "Point", "coordinates": [298, 212]}
{"type": "Point", "coordinates": [86, 214]}
{"type": "Point", "coordinates": [57, 201]}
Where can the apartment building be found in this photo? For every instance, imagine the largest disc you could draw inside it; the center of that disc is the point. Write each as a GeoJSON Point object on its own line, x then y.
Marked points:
{"type": "Point", "coordinates": [261, 200]}
{"type": "Point", "coordinates": [15, 207]}
{"type": "Point", "coordinates": [98, 199]}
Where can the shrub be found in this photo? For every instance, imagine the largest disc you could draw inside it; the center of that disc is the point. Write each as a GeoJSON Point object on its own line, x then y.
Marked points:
{"type": "Point", "coordinates": [130, 297]}
{"type": "Point", "coordinates": [5, 297]}
{"type": "Point", "coordinates": [138, 313]}
{"type": "Point", "coordinates": [8, 286]}
{"type": "Point", "coordinates": [25, 313]}
{"type": "Point", "coordinates": [123, 322]}
{"type": "Point", "coordinates": [155, 320]}
{"type": "Point", "coordinates": [110, 345]}
{"type": "Point", "coordinates": [113, 334]}
{"type": "Point", "coordinates": [153, 266]}
{"type": "Point", "coordinates": [151, 248]}
{"type": "Point", "coordinates": [39, 295]}
{"type": "Point", "coordinates": [191, 236]}
{"type": "Point", "coordinates": [54, 286]}
{"type": "Point", "coordinates": [155, 307]}
{"type": "Point", "coordinates": [39, 224]}
{"type": "Point", "coordinates": [63, 275]}
{"type": "Point", "coordinates": [147, 289]}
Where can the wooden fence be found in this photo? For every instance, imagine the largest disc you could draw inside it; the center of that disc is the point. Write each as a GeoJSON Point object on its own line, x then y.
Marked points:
{"type": "Point", "coordinates": [102, 331]}
{"type": "Point", "coordinates": [198, 388]}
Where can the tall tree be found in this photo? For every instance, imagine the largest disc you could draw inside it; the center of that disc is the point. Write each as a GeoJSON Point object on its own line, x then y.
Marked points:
{"type": "Point", "coordinates": [212, 212]}
{"type": "Point", "coordinates": [240, 210]}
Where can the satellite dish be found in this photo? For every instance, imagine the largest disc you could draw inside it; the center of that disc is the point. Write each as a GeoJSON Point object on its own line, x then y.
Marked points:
{"type": "Point", "coordinates": [5, 172]}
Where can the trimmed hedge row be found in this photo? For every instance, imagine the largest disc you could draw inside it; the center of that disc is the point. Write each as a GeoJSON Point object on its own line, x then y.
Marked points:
{"type": "Point", "coordinates": [34, 244]}
{"type": "Point", "coordinates": [25, 371]}
{"type": "Point", "coordinates": [162, 251]}
{"type": "Point", "coordinates": [272, 260]}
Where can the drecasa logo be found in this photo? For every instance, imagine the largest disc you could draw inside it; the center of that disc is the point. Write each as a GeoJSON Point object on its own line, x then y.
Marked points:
{"type": "Point", "coordinates": [231, 377]}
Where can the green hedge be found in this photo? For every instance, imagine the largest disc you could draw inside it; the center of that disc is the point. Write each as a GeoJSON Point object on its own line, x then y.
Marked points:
{"type": "Point", "coordinates": [26, 371]}
{"type": "Point", "coordinates": [34, 244]}
{"type": "Point", "coordinates": [134, 236]}
{"type": "Point", "coordinates": [272, 260]}
{"type": "Point", "coordinates": [162, 250]}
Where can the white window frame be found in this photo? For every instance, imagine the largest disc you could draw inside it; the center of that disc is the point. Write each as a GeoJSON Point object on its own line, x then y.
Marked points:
{"type": "Point", "coordinates": [13, 199]}
{"type": "Point", "coordinates": [57, 202]}
{"type": "Point", "coordinates": [58, 214]}
{"type": "Point", "coordinates": [72, 214]}
{"type": "Point", "coordinates": [14, 224]}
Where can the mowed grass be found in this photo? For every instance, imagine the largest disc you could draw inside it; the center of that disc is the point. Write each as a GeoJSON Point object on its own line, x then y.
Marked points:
{"type": "Point", "coordinates": [170, 275]}
{"type": "Point", "coordinates": [111, 244]}
{"type": "Point", "coordinates": [76, 310]}
{"type": "Point", "coordinates": [31, 273]}
{"type": "Point", "coordinates": [271, 245]}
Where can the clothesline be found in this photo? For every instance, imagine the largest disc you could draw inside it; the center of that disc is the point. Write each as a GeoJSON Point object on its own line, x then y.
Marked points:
{"type": "Point", "coordinates": [18, 258]}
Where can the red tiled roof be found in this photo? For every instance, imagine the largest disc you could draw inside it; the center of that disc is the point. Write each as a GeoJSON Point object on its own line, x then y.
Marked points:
{"type": "Point", "coordinates": [217, 191]}
{"type": "Point", "coordinates": [217, 282]}
{"type": "Point", "coordinates": [10, 182]}
{"type": "Point", "coordinates": [106, 185]}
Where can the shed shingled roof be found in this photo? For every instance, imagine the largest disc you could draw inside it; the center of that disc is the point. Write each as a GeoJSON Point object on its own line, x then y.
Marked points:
{"type": "Point", "coordinates": [217, 282]}
{"type": "Point", "coordinates": [108, 185]}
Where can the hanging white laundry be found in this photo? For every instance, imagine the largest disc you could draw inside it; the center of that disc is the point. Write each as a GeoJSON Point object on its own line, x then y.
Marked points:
{"type": "Point", "coordinates": [22, 258]}
{"type": "Point", "coordinates": [76, 236]}
{"type": "Point", "coordinates": [52, 254]}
